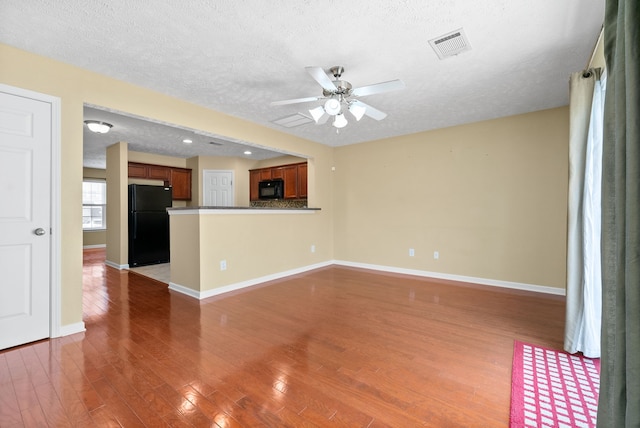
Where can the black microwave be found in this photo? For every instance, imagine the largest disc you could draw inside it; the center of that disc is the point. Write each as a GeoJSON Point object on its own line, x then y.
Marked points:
{"type": "Point", "coordinates": [271, 189]}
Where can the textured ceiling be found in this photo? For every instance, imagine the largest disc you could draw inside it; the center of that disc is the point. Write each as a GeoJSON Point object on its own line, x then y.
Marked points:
{"type": "Point", "coordinates": [151, 136]}
{"type": "Point", "coordinates": [236, 56]}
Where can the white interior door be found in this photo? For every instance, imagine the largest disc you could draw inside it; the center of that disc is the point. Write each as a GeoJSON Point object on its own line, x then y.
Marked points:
{"type": "Point", "coordinates": [25, 218]}
{"type": "Point", "coordinates": [218, 188]}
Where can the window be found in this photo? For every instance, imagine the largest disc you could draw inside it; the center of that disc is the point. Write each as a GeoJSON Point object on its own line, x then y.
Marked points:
{"type": "Point", "coordinates": [94, 205]}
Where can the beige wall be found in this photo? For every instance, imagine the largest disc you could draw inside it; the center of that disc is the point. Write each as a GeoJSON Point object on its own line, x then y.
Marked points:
{"type": "Point", "coordinates": [117, 205]}
{"type": "Point", "coordinates": [281, 160]}
{"type": "Point", "coordinates": [94, 238]}
{"type": "Point", "coordinates": [489, 196]}
{"type": "Point", "coordinates": [75, 86]}
{"type": "Point", "coordinates": [156, 159]}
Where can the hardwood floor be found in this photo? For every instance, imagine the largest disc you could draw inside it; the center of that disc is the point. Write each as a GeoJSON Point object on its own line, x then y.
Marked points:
{"type": "Point", "coordinates": [332, 347]}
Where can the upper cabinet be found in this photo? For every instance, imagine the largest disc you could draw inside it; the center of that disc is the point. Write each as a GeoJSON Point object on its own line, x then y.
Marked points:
{"type": "Point", "coordinates": [158, 172]}
{"type": "Point", "coordinates": [293, 175]}
{"type": "Point", "coordinates": [254, 179]}
{"type": "Point", "coordinates": [178, 178]}
{"type": "Point", "coordinates": [138, 170]}
{"type": "Point", "coordinates": [302, 180]}
{"type": "Point", "coordinates": [289, 174]}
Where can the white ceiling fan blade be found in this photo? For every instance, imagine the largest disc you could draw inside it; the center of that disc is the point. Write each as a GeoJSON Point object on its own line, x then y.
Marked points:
{"type": "Point", "coordinates": [372, 112]}
{"type": "Point", "coordinates": [321, 77]}
{"type": "Point", "coordinates": [323, 119]}
{"type": "Point", "coordinates": [378, 88]}
{"type": "Point", "coordinates": [295, 101]}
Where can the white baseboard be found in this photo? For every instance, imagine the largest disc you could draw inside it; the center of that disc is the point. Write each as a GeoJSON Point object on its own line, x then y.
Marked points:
{"type": "Point", "coordinates": [68, 329]}
{"type": "Point", "coordinates": [459, 278]}
{"type": "Point", "coordinates": [116, 265]}
{"type": "Point", "coordinates": [184, 290]}
{"type": "Point", "coordinates": [88, 247]}
{"type": "Point", "coordinates": [426, 274]}
{"type": "Point", "coordinates": [244, 284]}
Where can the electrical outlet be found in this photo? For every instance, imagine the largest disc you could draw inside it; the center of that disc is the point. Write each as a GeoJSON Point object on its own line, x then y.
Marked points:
{"type": "Point", "coordinates": [313, 248]}
{"type": "Point", "coordinates": [411, 252]}
{"type": "Point", "coordinates": [223, 265]}
{"type": "Point", "coordinates": [436, 255]}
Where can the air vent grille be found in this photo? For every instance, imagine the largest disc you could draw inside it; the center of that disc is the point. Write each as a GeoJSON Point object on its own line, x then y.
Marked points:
{"type": "Point", "coordinates": [450, 44]}
{"type": "Point", "coordinates": [293, 120]}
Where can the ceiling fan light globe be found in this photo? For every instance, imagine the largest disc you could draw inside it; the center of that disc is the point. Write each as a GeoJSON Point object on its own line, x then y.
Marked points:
{"type": "Point", "coordinates": [332, 106]}
{"type": "Point", "coordinates": [316, 113]}
{"type": "Point", "coordinates": [357, 111]}
{"type": "Point", "coordinates": [340, 121]}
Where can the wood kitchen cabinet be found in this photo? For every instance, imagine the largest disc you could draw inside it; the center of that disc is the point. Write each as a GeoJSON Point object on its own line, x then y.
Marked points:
{"type": "Point", "coordinates": [254, 179]}
{"type": "Point", "coordinates": [294, 176]}
{"type": "Point", "coordinates": [302, 180]}
{"type": "Point", "coordinates": [266, 174]}
{"type": "Point", "coordinates": [178, 178]}
{"type": "Point", "coordinates": [290, 177]}
{"type": "Point", "coordinates": [158, 172]}
{"type": "Point", "coordinates": [137, 170]}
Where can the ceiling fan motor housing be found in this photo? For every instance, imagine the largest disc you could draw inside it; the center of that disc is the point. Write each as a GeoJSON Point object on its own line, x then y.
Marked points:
{"type": "Point", "coordinates": [342, 88]}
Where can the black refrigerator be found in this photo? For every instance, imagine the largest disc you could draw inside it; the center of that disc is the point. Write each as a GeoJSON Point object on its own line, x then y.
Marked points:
{"type": "Point", "coordinates": [148, 224]}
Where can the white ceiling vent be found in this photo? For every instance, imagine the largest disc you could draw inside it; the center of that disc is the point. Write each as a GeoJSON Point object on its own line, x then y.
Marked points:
{"type": "Point", "coordinates": [293, 120]}
{"type": "Point", "coordinates": [450, 44]}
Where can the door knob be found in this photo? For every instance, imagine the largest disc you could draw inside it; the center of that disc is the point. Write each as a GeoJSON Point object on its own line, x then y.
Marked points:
{"type": "Point", "coordinates": [39, 231]}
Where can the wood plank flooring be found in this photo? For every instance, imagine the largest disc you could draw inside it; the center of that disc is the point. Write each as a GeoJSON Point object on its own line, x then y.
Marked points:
{"type": "Point", "coordinates": [333, 347]}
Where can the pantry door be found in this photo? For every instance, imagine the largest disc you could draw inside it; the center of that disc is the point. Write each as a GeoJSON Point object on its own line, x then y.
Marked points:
{"type": "Point", "coordinates": [217, 188]}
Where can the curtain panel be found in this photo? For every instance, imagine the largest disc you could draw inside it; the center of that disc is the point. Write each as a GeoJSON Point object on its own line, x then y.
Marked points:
{"type": "Point", "coordinates": [619, 401]}
{"type": "Point", "coordinates": [584, 286]}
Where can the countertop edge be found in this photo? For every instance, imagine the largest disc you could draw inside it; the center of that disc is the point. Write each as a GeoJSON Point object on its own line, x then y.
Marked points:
{"type": "Point", "coordinates": [239, 210]}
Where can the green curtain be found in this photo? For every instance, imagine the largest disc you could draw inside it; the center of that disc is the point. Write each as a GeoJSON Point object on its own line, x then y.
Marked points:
{"type": "Point", "coordinates": [619, 403]}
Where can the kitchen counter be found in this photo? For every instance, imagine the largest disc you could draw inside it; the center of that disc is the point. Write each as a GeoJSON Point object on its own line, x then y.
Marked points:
{"type": "Point", "coordinates": [238, 210]}
{"type": "Point", "coordinates": [220, 249]}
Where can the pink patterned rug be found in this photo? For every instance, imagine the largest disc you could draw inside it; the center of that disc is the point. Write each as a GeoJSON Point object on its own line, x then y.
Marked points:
{"type": "Point", "coordinates": [553, 388]}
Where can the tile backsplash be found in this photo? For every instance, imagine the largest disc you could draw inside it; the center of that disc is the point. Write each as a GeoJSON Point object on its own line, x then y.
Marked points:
{"type": "Point", "coordinates": [280, 203]}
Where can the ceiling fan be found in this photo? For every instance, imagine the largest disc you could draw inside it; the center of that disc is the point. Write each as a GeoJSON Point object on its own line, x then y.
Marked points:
{"type": "Point", "coordinates": [340, 95]}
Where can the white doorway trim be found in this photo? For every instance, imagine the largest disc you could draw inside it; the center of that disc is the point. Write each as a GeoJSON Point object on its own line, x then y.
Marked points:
{"type": "Point", "coordinates": [55, 329]}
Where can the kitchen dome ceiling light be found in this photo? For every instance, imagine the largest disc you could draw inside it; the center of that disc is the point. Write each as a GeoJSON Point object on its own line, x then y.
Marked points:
{"type": "Point", "coordinates": [98, 127]}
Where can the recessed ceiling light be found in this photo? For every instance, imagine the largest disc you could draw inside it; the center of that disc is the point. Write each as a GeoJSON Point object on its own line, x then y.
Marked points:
{"type": "Point", "coordinates": [247, 152]}
{"type": "Point", "coordinates": [187, 141]}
